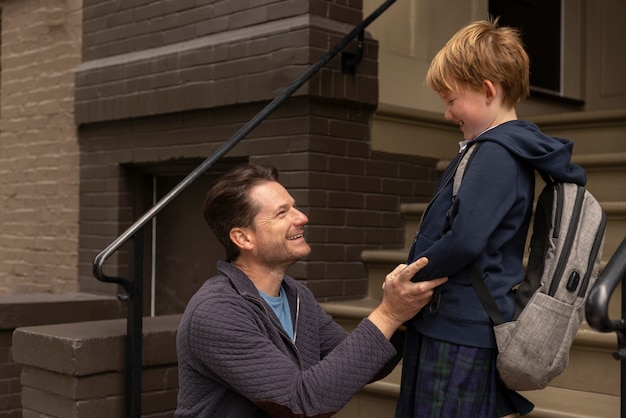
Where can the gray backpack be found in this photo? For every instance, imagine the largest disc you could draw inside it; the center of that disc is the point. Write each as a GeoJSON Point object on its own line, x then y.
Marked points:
{"type": "Point", "coordinates": [565, 252]}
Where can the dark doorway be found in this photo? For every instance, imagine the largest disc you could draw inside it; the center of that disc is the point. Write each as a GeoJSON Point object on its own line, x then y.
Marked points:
{"type": "Point", "coordinates": [184, 253]}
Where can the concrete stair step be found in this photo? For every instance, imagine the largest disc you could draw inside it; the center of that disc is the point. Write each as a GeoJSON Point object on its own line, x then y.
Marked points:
{"type": "Point", "coordinates": [589, 387]}
{"type": "Point", "coordinates": [592, 132]}
{"type": "Point", "coordinates": [606, 175]}
{"type": "Point", "coordinates": [381, 262]}
{"type": "Point", "coordinates": [553, 402]}
{"type": "Point", "coordinates": [615, 230]}
{"type": "Point", "coordinates": [379, 400]}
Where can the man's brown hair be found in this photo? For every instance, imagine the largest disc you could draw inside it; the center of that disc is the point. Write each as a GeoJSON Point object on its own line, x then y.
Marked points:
{"type": "Point", "coordinates": [228, 204]}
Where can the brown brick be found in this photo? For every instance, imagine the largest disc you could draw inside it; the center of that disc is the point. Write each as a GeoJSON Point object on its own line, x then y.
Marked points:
{"type": "Point", "coordinates": [159, 401]}
{"type": "Point", "coordinates": [10, 385]}
{"type": "Point", "coordinates": [5, 354]}
{"type": "Point", "coordinates": [365, 184]}
{"type": "Point", "coordinates": [326, 216]}
{"type": "Point", "coordinates": [326, 289]}
{"type": "Point", "coordinates": [381, 202]}
{"type": "Point", "coordinates": [326, 252]}
{"type": "Point", "coordinates": [10, 402]}
{"type": "Point", "coordinates": [346, 235]}
{"type": "Point", "coordinates": [364, 218]}
{"type": "Point", "coordinates": [345, 200]}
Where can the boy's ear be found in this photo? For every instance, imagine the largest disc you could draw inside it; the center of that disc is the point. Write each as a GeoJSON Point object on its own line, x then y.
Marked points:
{"type": "Point", "coordinates": [241, 238]}
{"type": "Point", "coordinates": [490, 90]}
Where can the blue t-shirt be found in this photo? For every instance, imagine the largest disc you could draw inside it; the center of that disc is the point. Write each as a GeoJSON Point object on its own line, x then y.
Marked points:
{"type": "Point", "coordinates": [280, 305]}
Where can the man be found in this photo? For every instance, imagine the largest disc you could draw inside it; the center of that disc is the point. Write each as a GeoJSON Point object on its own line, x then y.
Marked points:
{"type": "Point", "coordinates": [254, 342]}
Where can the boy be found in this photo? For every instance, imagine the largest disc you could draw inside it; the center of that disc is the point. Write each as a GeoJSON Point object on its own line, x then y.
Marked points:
{"type": "Point", "coordinates": [449, 368]}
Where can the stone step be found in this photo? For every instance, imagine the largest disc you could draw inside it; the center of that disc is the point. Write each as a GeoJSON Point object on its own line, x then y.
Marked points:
{"type": "Point", "coordinates": [615, 230]}
{"type": "Point", "coordinates": [378, 400]}
{"type": "Point", "coordinates": [606, 175]}
{"type": "Point", "coordinates": [606, 180]}
{"type": "Point", "coordinates": [381, 262]}
{"type": "Point", "coordinates": [591, 132]}
{"type": "Point", "coordinates": [589, 387]}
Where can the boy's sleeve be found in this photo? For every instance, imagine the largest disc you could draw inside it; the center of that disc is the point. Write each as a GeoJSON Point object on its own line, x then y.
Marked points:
{"type": "Point", "coordinates": [485, 199]}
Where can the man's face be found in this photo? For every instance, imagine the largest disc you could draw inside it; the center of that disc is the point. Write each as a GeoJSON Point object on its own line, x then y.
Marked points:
{"type": "Point", "coordinates": [278, 226]}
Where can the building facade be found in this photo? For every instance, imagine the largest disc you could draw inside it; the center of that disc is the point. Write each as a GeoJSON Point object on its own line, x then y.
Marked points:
{"type": "Point", "coordinates": [106, 105]}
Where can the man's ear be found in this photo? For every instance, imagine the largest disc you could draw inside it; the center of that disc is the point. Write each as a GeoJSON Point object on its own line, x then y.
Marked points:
{"type": "Point", "coordinates": [490, 90]}
{"type": "Point", "coordinates": [241, 238]}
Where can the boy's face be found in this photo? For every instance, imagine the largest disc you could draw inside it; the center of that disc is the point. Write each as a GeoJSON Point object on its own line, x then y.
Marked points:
{"type": "Point", "coordinates": [471, 109]}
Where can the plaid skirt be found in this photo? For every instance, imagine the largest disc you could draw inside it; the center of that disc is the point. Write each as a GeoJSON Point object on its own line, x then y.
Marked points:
{"type": "Point", "coordinates": [444, 380]}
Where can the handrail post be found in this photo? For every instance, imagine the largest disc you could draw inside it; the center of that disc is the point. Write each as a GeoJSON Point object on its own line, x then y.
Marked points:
{"type": "Point", "coordinates": [134, 332]}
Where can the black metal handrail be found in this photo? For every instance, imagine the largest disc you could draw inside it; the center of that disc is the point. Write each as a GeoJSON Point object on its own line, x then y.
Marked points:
{"type": "Point", "coordinates": [597, 309]}
{"type": "Point", "coordinates": [134, 288]}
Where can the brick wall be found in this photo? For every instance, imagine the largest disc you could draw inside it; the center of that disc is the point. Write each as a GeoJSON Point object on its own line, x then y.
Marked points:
{"type": "Point", "coordinates": [169, 95]}
{"type": "Point", "coordinates": [38, 147]}
{"type": "Point", "coordinates": [350, 193]}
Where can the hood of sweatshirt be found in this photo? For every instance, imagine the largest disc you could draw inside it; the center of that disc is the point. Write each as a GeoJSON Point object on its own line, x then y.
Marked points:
{"type": "Point", "coordinates": [549, 155]}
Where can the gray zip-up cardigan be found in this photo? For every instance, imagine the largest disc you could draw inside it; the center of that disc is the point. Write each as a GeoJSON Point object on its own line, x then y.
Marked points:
{"type": "Point", "coordinates": [234, 359]}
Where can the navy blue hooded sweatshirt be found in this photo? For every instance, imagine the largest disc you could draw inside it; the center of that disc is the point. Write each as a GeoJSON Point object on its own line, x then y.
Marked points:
{"type": "Point", "coordinates": [486, 225]}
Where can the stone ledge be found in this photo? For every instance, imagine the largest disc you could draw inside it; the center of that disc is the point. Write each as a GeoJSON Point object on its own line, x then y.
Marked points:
{"type": "Point", "coordinates": [45, 308]}
{"type": "Point", "coordinates": [87, 348]}
{"type": "Point", "coordinates": [354, 309]}
{"type": "Point", "coordinates": [202, 73]}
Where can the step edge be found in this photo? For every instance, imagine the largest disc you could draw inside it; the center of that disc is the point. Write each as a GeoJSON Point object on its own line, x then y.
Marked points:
{"type": "Point", "coordinates": [386, 389]}
{"type": "Point", "coordinates": [414, 210]}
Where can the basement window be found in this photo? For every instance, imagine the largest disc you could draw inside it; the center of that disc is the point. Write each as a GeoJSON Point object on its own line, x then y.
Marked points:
{"type": "Point", "coordinates": [551, 33]}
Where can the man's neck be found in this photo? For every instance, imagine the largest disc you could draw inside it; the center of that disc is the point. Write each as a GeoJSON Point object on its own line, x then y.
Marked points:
{"type": "Point", "coordinates": [266, 279]}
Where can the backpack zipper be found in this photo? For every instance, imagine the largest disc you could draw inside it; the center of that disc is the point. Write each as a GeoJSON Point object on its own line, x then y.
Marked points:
{"type": "Point", "coordinates": [592, 256]}
{"type": "Point", "coordinates": [571, 233]}
{"type": "Point", "coordinates": [559, 209]}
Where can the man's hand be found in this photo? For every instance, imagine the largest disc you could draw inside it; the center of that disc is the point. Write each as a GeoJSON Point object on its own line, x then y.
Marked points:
{"type": "Point", "coordinates": [402, 299]}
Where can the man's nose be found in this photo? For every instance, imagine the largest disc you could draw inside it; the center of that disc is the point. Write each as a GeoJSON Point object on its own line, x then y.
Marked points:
{"type": "Point", "coordinates": [300, 218]}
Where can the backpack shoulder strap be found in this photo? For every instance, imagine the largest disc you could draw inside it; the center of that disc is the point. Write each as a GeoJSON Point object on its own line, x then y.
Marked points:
{"type": "Point", "coordinates": [546, 177]}
{"type": "Point", "coordinates": [460, 168]}
{"type": "Point", "coordinates": [475, 277]}
{"type": "Point", "coordinates": [485, 296]}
